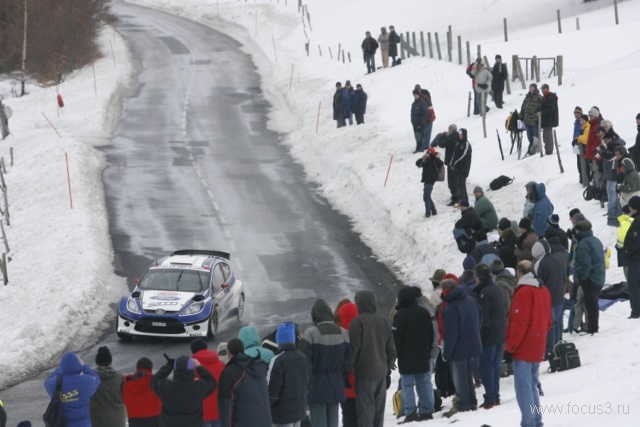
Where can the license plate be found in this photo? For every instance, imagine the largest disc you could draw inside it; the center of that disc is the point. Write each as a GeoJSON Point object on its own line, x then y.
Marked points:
{"type": "Point", "coordinates": [158, 324]}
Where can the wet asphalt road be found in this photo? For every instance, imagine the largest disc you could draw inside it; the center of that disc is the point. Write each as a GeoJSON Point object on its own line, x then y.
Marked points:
{"type": "Point", "coordinates": [193, 165]}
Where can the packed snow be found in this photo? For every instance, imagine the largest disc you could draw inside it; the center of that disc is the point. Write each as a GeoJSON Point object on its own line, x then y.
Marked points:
{"type": "Point", "coordinates": [350, 164]}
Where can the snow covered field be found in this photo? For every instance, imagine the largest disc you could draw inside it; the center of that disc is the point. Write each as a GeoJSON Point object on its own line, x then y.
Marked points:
{"type": "Point", "coordinates": [601, 65]}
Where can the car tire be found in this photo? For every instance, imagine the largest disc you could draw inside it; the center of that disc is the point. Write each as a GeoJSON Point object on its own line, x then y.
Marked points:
{"type": "Point", "coordinates": [212, 327]}
{"type": "Point", "coordinates": [123, 337]}
{"type": "Point", "coordinates": [240, 308]}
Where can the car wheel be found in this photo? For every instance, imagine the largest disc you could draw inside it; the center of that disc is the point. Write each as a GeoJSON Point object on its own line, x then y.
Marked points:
{"type": "Point", "coordinates": [240, 307]}
{"type": "Point", "coordinates": [123, 337]}
{"type": "Point", "coordinates": [213, 324]}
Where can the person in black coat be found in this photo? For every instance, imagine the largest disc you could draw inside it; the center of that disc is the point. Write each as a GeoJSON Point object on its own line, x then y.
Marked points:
{"type": "Point", "coordinates": [369, 48]}
{"type": "Point", "coordinates": [554, 224]}
{"type": "Point", "coordinates": [413, 336]}
{"type": "Point", "coordinates": [182, 396]}
{"type": "Point", "coordinates": [492, 332]}
{"type": "Point", "coordinates": [419, 115]}
{"type": "Point", "coordinates": [634, 152]}
{"type": "Point", "coordinates": [431, 165]}
{"type": "Point", "coordinates": [500, 74]}
{"type": "Point", "coordinates": [359, 104]}
{"type": "Point", "coordinates": [448, 141]}
{"type": "Point", "coordinates": [338, 110]}
{"type": "Point", "coordinates": [549, 117]}
{"type": "Point", "coordinates": [631, 250]}
{"type": "Point", "coordinates": [468, 217]}
{"type": "Point", "coordinates": [461, 162]}
{"type": "Point", "coordinates": [394, 39]}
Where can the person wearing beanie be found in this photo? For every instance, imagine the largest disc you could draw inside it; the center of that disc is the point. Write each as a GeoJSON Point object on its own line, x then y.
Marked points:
{"type": "Point", "coordinates": [448, 140]}
{"type": "Point", "coordinates": [549, 117]}
{"type": "Point", "coordinates": [507, 242]}
{"type": "Point", "coordinates": [327, 347]}
{"type": "Point", "coordinates": [183, 396]}
{"type": "Point", "coordinates": [625, 219]}
{"type": "Point", "coordinates": [525, 241]}
{"type": "Point", "coordinates": [631, 248]}
{"type": "Point", "coordinates": [338, 107]}
{"type": "Point", "coordinates": [468, 216]}
{"type": "Point", "coordinates": [77, 379]}
{"type": "Point", "coordinates": [483, 79]}
{"type": "Point", "coordinates": [630, 186]}
{"type": "Point", "coordinates": [289, 377]}
{"type": "Point", "coordinates": [461, 162]}
{"type": "Point", "coordinates": [554, 224]}
{"type": "Point", "coordinates": [485, 209]}
{"type": "Point", "coordinates": [369, 47]}
{"type": "Point", "coordinates": [581, 136]}
{"type": "Point", "coordinates": [419, 116]}
{"type": "Point", "coordinates": [506, 282]}
{"type": "Point", "coordinates": [431, 166]}
{"type": "Point", "coordinates": [607, 151]}
{"type": "Point", "coordinates": [437, 277]}
{"type": "Point", "coordinates": [210, 360]}
{"type": "Point", "coordinates": [500, 74]}
{"type": "Point", "coordinates": [359, 104]}
{"type": "Point", "coordinates": [142, 404]}
{"type": "Point", "coordinates": [394, 39]}
{"type": "Point", "coordinates": [249, 337]}
{"type": "Point", "coordinates": [107, 407]}
{"type": "Point", "coordinates": [529, 114]}
{"type": "Point", "coordinates": [589, 270]}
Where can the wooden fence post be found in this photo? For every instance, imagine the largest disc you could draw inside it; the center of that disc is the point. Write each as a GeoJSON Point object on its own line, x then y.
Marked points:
{"type": "Point", "coordinates": [518, 69]}
{"type": "Point", "coordinates": [4, 236]}
{"type": "Point", "coordinates": [402, 56]}
{"type": "Point", "coordinates": [430, 46]}
{"type": "Point", "coordinates": [422, 42]}
{"type": "Point", "coordinates": [468, 53]}
{"type": "Point", "coordinates": [438, 46]}
{"type": "Point", "coordinates": [506, 35]}
{"type": "Point", "coordinates": [5, 276]}
{"type": "Point", "coordinates": [11, 154]}
{"type": "Point", "coordinates": [450, 44]}
{"type": "Point", "coordinates": [415, 46]}
{"type": "Point", "coordinates": [559, 69]}
{"type": "Point", "coordinates": [577, 23]}
{"type": "Point", "coordinates": [559, 22]}
{"type": "Point", "coordinates": [479, 52]}
{"type": "Point", "coordinates": [339, 50]}
{"type": "Point", "coordinates": [615, 9]}
{"type": "Point", "coordinates": [535, 68]}
{"type": "Point", "coordinates": [408, 45]}
{"type": "Point", "coordinates": [460, 50]}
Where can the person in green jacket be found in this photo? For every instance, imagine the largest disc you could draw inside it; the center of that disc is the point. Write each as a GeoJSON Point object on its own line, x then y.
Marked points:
{"type": "Point", "coordinates": [249, 337]}
{"type": "Point", "coordinates": [107, 407]}
{"type": "Point", "coordinates": [589, 270]}
{"type": "Point", "coordinates": [631, 185]}
{"type": "Point", "coordinates": [485, 209]}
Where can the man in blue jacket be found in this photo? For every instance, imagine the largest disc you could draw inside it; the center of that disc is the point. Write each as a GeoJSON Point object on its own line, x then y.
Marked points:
{"type": "Point", "coordinates": [542, 209]}
{"type": "Point", "coordinates": [79, 383]}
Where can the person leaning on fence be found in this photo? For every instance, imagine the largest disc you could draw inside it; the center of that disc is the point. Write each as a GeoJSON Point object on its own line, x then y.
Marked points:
{"type": "Point", "coordinates": [482, 87]}
{"type": "Point", "coordinates": [383, 40]}
{"type": "Point", "coordinates": [369, 47]}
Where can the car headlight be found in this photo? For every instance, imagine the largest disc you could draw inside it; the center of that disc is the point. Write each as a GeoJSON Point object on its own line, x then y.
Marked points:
{"type": "Point", "coordinates": [194, 308]}
{"type": "Point", "coordinates": [132, 306]}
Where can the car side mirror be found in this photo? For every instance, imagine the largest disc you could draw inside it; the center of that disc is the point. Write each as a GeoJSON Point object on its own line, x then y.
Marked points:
{"type": "Point", "coordinates": [136, 280]}
{"type": "Point", "coordinates": [224, 285]}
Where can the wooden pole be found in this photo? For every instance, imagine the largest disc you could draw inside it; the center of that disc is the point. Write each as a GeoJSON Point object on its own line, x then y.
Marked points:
{"type": "Point", "coordinates": [559, 22]}
{"type": "Point", "coordinates": [615, 9]}
{"type": "Point", "coordinates": [508, 85]}
{"type": "Point", "coordinates": [54, 128]}
{"type": "Point", "coordinates": [112, 53]}
{"type": "Point", "coordinates": [95, 84]}
{"type": "Point", "coordinates": [479, 52]}
{"type": "Point", "coordinates": [4, 237]}
{"type": "Point", "coordinates": [349, 56]}
{"type": "Point", "coordinates": [343, 56]}
{"type": "Point", "coordinates": [318, 119]}
{"type": "Point", "coordinates": [413, 37]}
{"type": "Point", "coordinates": [4, 269]}
{"type": "Point", "coordinates": [468, 53]}
{"type": "Point", "coordinates": [422, 42]}
{"type": "Point", "coordinates": [388, 170]}
{"type": "Point", "coordinates": [555, 142]}
{"type": "Point", "coordinates": [430, 45]}
{"type": "Point", "coordinates": [535, 68]}
{"type": "Point", "coordinates": [506, 35]}
{"type": "Point", "coordinates": [339, 50]}
{"type": "Point", "coordinates": [275, 54]}
{"type": "Point", "coordinates": [291, 78]}
{"type": "Point", "coordinates": [577, 23]}
{"type": "Point", "coordinates": [450, 44]}
{"type": "Point", "coordinates": [483, 111]}
{"type": "Point", "coordinates": [518, 67]}
{"type": "Point", "coordinates": [6, 207]}
{"type": "Point", "coordinates": [4, 184]}
{"type": "Point", "coordinates": [24, 49]}
{"type": "Point", "coordinates": [402, 55]}
{"type": "Point", "coordinates": [66, 159]}
{"type": "Point", "coordinates": [459, 50]}
{"type": "Point", "coordinates": [11, 155]}
{"type": "Point", "coordinates": [559, 68]}
{"type": "Point", "coordinates": [438, 47]}
{"type": "Point", "coordinates": [469, 105]}
{"type": "Point", "coordinates": [408, 39]}
{"type": "Point", "coordinates": [4, 168]}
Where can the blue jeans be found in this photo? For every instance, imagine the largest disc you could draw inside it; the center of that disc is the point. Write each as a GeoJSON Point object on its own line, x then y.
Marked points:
{"type": "Point", "coordinates": [490, 362]}
{"type": "Point", "coordinates": [429, 206]}
{"type": "Point", "coordinates": [370, 59]}
{"type": "Point", "coordinates": [324, 415]}
{"type": "Point", "coordinates": [463, 381]}
{"type": "Point", "coordinates": [555, 333]}
{"type": "Point", "coordinates": [426, 134]}
{"type": "Point", "coordinates": [476, 106]}
{"type": "Point", "coordinates": [423, 387]}
{"type": "Point", "coordinates": [613, 206]}
{"type": "Point", "coordinates": [532, 131]}
{"type": "Point", "coordinates": [526, 384]}
{"type": "Point", "coordinates": [216, 423]}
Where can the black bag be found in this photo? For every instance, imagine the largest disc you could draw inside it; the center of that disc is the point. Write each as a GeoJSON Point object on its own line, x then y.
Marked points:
{"type": "Point", "coordinates": [440, 172]}
{"type": "Point", "coordinates": [483, 86]}
{"type": "Point", "coordinates": [615, 291]}
{"type": "Point", "coordinates": [53, 416]}
{"type": "Point", "coordinates": [500, 182]}
{"type": "Point", "coordinates": [564, 356]}
{"type": "Point", "coordinates": [591, 193]}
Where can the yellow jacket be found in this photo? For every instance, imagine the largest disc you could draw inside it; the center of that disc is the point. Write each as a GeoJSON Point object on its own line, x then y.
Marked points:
{"type": "Point", "coordinates": [582, 139]}
{"type": "Point", "coordinates": [625, 222]}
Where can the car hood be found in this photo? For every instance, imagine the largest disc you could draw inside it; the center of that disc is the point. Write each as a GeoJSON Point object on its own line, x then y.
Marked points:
{"type": "Point", "coordinates": [167, 300]}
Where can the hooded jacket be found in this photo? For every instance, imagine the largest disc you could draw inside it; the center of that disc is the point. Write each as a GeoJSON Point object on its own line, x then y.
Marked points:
{"type": "Point", "coordinates": [413, 334]}
{"type": "Point", "coordinates": [541, 210]}
{"type": "Point", "coordinates": [632, 241]}
{"type": "Point", "coordinates": [210, 360]}
{"type": "Point", "coordinates": [107, 408]}
{"type": "Point", "coordinates": [493, 317]}
{"type": "Point", "coordinates": [430, 167]}
{"type": "Point", "coordinates": [550, 271]}
{"type": "Point", "coordinates": [507, 283]}
{"type": "Point", "coordinates": [327, 347]}
{"type": "Point", "coordinates": [289, 378]}
{"type": "Point", "coordinates": [183, 396]}
{"type": "Point", "coordinates": [487, 212]}
{"type": "Point", "coordinates": [525, 244]}
{"type": "Point", "coordinates": [243, 395]}
{"type": "Point", "coordinates": [347, 313]}
{"type": "Point", "coordinates": [79, 383]}
{"type": "Point", "coordinates": [549, 111]}
{"type": "Point", "coordinates": [448, 142]}
{"type": "Point", "coordinates": [530, 107]}
{"type": "Point", "coordinates": [631, 183]}
{"type": "Point", "coordinates": [142, 404]}
{"type": "Point", "coordinates": [462, 320]}
{"type": "Point", "coordinates": [529, 320]}
{"type": "Point", "coordinates": [589, 259]}
{"type": "Point", "coordinates": [374, 353]}
{"type": "Point", "coordinates": [461, 160]}
{"type": "Point", "coordinates": [249, 337]}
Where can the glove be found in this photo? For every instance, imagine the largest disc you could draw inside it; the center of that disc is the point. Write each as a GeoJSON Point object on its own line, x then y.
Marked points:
{"type": "Point", "coordinates": [170, 361]}
{"type": "Point", "coordinates": [347, 383]}
{"type": "Point", "coordinates": [508, 357]}
{"type": "Point", "coordinates": [388, 379]}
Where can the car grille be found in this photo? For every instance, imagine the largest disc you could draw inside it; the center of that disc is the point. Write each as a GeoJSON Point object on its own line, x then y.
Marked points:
{"type": "Point", "coordinates": [156, 311]}
{"type": "Point", "coordinates": [172, 326]}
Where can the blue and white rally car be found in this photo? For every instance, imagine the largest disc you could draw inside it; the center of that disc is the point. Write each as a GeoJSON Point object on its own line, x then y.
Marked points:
{"type": "Point", "coordinates": [186, 294]}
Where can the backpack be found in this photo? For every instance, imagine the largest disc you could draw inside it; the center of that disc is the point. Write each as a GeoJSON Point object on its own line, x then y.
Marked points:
{"type": "Point", "coordinates": [591, 193]}
{"type": "Point", "coordinates": [511, 124]}
{"type": "Point", "coordinates": [615, 291]}
{"type": "Point", "coordinates": [441, 173]}
{"type": "Point", "coordinates": [564, 356]}
{"type": "Point", "coordinates": [53, 416]}
{"type": "Point", "coordinates": [500, 182]}
{"type": "Point", "coordinates": [398, 401]}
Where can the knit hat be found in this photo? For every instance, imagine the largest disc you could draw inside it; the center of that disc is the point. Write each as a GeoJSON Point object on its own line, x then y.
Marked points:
{"type": "Point", "coordinates": [286, 333]}
{"type": "Point", "coordinates": [594, 112]}
{"type": "Point", "coordinates": [476, 226]}
{"type": "Point", "coordinates": [577, 110]}
{"type": "Point", "coordinates": [583, 225]}
{"type": "Point", "coordinates": [634, 203]}
{"type": "Point", "coordinates": [197, 345]}
{"type": "Point", "coordinates": [496, 266]}
{"type": "Point", "coordinates": [144, 363]}
{"type": "Point", "coordinates": [504, 224]}
{"type": "Point", "coordinates": [454, 128]}
{"type": "Point", "coordinates": [183, 363]}
{"type": "Point", "coordinates": [553, 219]}
{"type": "Point", "coordinates": [525, 223]}
{"type": "Point", "coordinates": [601, 129]}
{"type": "Point", "coordinates": [347, 83]}
{"type": "Point", "coordinates": [579, 217]}
{"type": "Point", "coordinates": [573, 211]}
{"type": "Point", "coordinates": [432, 151]}
{"type": "Point", "coordinates": [464, 202]}
{"type": "Point", "coordinates": [103, 357]}
{"type": "Point", "coordinates": [478, 189]}
{"type": "Point", "coordinates": [438, 275]}
{"type": "Point", "coordinates": [451, 276]}
{"type": "Point", "coordinates": [584, 117]}
{"type": "Point", "coordinates": [469, 262]}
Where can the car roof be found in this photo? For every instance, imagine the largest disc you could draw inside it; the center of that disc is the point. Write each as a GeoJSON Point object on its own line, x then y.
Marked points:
{"type": "Point", "coordinates": [192, 259]}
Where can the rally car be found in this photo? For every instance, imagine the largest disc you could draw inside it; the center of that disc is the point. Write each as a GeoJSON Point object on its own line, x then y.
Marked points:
{"type": "Point", "coordinates": [186, 294]}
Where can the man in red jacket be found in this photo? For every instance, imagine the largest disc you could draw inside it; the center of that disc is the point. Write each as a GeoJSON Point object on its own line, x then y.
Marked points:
{"type": "Point", "coordinates": [529, 322]}
{"type": "Point", "coordinates": [143, 405]}
{"type": "Point", "coordinates": [209, 359]}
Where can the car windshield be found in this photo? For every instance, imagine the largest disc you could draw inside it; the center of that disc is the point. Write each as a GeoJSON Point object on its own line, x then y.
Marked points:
{"type": "Point", "coordinates": [175, 279]}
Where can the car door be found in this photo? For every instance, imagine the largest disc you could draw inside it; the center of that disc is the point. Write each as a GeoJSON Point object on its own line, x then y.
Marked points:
{"type": "Point", "coordinates": [223, 294]}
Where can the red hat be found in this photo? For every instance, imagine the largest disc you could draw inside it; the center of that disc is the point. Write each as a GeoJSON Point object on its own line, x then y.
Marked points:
{"type": "Point", "coordinates": [432, 151]}
{"type": "Point", "coordinates": [452, 277]}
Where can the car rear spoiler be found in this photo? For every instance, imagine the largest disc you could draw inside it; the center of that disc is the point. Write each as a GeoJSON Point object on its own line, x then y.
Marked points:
{"type": "Point", "coordinates": [219, 254]}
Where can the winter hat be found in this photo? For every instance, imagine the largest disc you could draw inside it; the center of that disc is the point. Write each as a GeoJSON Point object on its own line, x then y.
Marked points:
{"type": "Point", "coordinates": [577, 110]}
{"type": "Point", "coordinates": [347, 83]}
{"type": "Point", "coordinates": [144, 363]}
{"type": "Point", "coordinates": [476, 225]}
{"type": "Point", "coordinates": [478, 189]}
{"type": "Point", "coordinates": [583, 225]}
{"type": "Point", "coordinates": [601, 129]}
{"type": "Point", "coordinates": [584, 117]}
{"type": "Point", "coordinates": [544, 86]}
{"type": "Point", "coordinates": [338, 84]}
{"type": "Point", "coordinates": [553, 219]}
{"type": "Point", "coordinates": [608, 134]}
{"type": "Point", "coordinates": [464, 202]}
{"type": "Point", "coordinates": [438, 275]}
{"type": "Point", "coordinates": [594, 112]}
{"type": "Point", "coordinates": [550, 233]}
{"type": "Point", "coordinates": [628, 164]}
{"type": "Point", "coordinates": [573, 211]}
{"type": "Point", "coordinates": [637, 116]}
{"type": "Point", "coordinates": [454, 128]}
{"type": "Point", "coordinates": [453, 277]}
{"type": "Point", "coordinates": [197, 345]}
{"type": "Point", "coordinates": [496, 266]}
{"type": "Point", "coordinates": [504, 224]}
{"type": "Point", "coordinates": [286, 333]}
{"type": "Point", "coordinates": [183, 363]}
{"type": "Point", "coordinates": [579, 217]}
{"type": "Point", "coordinates": [103, 357]}
{"type": "Point", "coordinates": [469, 262]}
{"type": "Point", "coordinates": [634, 203]}
{"type": "Point", "coordinates": [432, 151]}
{"type": "Point", "coordinates": [525, 223]}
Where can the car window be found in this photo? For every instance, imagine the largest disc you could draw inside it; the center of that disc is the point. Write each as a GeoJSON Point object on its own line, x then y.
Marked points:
{"type": "Point", "coordinates": [218, 277]}
{"type": "Point", "coordinates": [175, 280]}
{"type": "Point", "coordinates": [226, 271]}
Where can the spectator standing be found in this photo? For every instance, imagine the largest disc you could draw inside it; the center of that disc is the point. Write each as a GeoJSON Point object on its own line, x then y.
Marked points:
{"type": "Point", "coordinates": [591, 146]}
{"type": "Point", "coordinates": [431, 165]}
{"type": "Point", "coordinates": [338, 109]}
{"type": "Point", "coordinates": [419, 115]}
{"type": "Point", "coordinates": [632, 253]}
{"type": "Point", "coordinates": [347, 101]}
{"type": "Point", "coordinates": [631, 182]}
{"type": "Point", "coordinates": [78, 379]}
{"type": "Point", "coordinates": [448, 140]}
{"type": "Point", "coordinates": [359, 105]}
{"type": "Point", "coordinates": [413, 336]}
{"type": "Point", "coordinates": [394, 39]}
{"type": "Point", "coordinates": [549, 117]}
{"type": "Point", "coordinates": [107, 408]}
{"type": "Point", "coordinates": [529, 321]}
{"type": "Point", "coordinates": [577, 131]}
{"type": "Point", "coordinates": [373, 357]}
{"type": "Point", "coordinates": [369, 47]}
{"type": "Point", "coordinates": [582, 140]}
{"type": "Point", "coordinates": [506, 282]}
{"type": "Point", "coordinates": [210, 360]}
{"type": "Point", "coordinates": [611, 141]}
{"type": "Point", "coordinates": [289, 379]}
{"type": "Point", "coordinates": [347, 312]}
{"type": "Point", "coordinates": [469, 71]}
{"type": "Point", "coordinates": [634, 152]}
{"type": "Point", "coordinates": [243, 397]}
{"type": "Point", "coordinates": [251, 341]}
{"type": "Point", "coordinates": [529, 113]}
{"type": "Point", "coordinates": [589, 271]}
{"type": "Point", "coordinates": [383, 42]}
{"type": "Point", "coordinates": [541, 210]}
{"type": "Point", "coordinates": [142, 404]}
{"type": "Point", "coordinates": [485, 209]}
{"type": "Point", "coordinates": [500, 75]}
{"type": "Point", "coordinates": [327, 347]}
{"type": "Point", "coordinates": [525, 241]}
{"type": "Point", "coordinates": [461, 162]}
{"type": "Point", "coordinates": [625, 220]}
{"type": "Point", "coordinates": [483, 84]}
{"type": "Point", "coordinates": [431, 116]}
